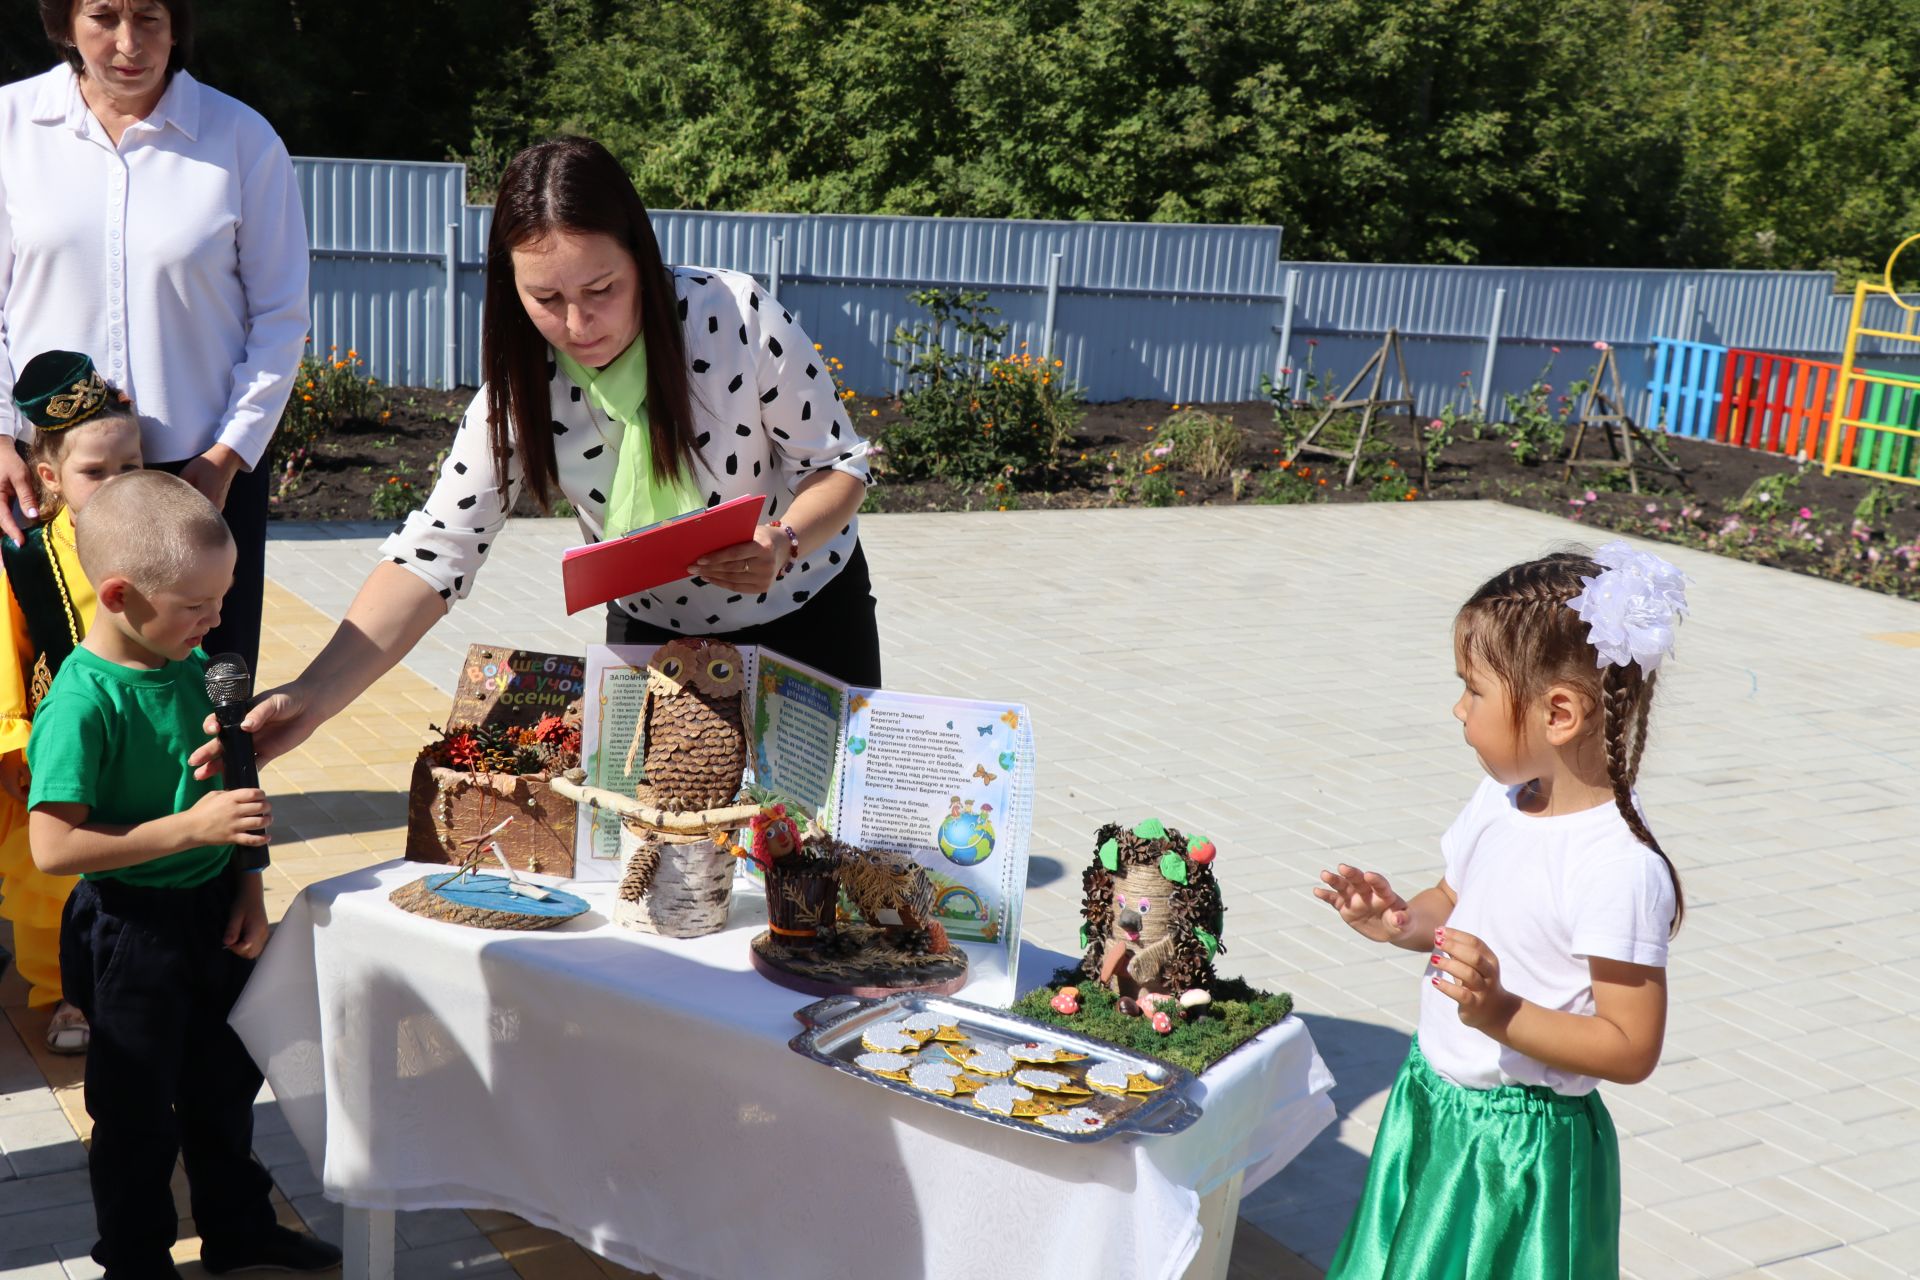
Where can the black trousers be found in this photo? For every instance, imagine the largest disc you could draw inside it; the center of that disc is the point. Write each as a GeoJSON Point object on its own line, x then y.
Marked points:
{"type": "Point", "coordinates": [835, 632]}
{"type": "Point", "coordinates": [246, 513]}
{"type": "Point", "coordinates": [166, 1076]}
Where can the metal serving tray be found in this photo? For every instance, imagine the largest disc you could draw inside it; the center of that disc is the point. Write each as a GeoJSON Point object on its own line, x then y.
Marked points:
{"type": "Point", "coordinates": [834, 1027]}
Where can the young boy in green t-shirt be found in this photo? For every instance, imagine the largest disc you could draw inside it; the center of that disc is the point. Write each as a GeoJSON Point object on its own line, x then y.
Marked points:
{"type": "Point", "coordinates": [159, 938]}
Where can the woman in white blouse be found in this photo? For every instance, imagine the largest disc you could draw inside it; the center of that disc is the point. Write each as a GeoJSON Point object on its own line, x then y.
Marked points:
{"type": "Point", "coordinates": [636, 392]}
{"type": "Point", "coordinates": [154, 223]}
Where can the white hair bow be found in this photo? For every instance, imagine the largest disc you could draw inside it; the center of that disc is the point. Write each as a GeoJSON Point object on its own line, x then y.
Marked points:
{"type": "Point", "coordinates": [1633, 608]}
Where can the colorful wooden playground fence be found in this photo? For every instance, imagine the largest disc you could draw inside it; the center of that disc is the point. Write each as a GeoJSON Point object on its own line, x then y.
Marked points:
{"type": "Point", "coordinates": [1783, 404]}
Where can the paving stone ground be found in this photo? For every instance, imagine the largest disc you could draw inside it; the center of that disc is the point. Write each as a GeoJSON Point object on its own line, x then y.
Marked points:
{"type": "Point", "coordinates": [1281, 678]}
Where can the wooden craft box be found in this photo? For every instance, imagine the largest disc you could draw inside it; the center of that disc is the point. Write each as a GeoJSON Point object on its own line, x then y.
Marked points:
{"type": "Point", "coordinates": [450, 810]}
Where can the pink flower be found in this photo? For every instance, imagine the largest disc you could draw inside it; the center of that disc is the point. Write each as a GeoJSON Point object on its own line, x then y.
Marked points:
{"type": "Point", "coordinates": [1436, 425]}
{"type": "Point", "coordinates": [1313, 342]}
{"type": "Point", "coordinates": [1163, 451]}
{"type": "Point", "coordinates": [1285, 372]}
{"type": "Point", "coordinates": [1555, 350]}
{"type": "Point", "coordinates": [1601, 346]}
{"type": "Point", "coordinates": [1652, 507]}
{"type": "Point", "coordinates": [1806, 513]}
{"type": "Point", "coordinates": [1592, 496]}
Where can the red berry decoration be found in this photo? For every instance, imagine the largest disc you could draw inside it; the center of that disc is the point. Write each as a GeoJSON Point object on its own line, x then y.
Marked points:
{"type": "Point", "coordinates": [1202, 853]}
{"type": "Point", "coordinates": [1162, 1023]}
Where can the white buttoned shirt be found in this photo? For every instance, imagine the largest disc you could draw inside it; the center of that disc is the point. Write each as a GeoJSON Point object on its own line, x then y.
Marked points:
{"type": "Point", "coordinates": [765, 417]}
{"type": "Point", "coordinates": [177, 259]}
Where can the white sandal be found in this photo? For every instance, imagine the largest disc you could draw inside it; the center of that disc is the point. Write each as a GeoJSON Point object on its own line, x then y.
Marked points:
{"type": "Point", "coordinates": [68, 1034]}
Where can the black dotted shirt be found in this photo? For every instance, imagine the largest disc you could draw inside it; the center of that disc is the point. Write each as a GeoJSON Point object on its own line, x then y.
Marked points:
{"type": "Point", "coordinates": [765, 418]}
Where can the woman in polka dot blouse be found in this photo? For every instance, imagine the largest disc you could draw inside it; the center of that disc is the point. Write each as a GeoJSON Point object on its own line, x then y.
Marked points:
{"type": "Point", "coordinates": [636, 392]}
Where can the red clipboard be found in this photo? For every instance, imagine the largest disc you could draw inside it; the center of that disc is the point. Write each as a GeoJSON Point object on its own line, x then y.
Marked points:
{"type": "Point", "coordinates": [655, 555]}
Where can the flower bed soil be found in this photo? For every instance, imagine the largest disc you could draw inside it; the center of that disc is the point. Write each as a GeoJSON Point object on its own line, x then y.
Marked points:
{"type": "Point", "coordinates": [354, 461]}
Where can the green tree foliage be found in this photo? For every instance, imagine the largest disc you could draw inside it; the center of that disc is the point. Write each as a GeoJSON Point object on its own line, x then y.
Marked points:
{"type": "Point", "coordinates": [1734, 133]}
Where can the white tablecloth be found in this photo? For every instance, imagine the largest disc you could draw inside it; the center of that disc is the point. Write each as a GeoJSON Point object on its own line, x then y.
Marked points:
{"type": "Point", "coordinates": [638, 1094]}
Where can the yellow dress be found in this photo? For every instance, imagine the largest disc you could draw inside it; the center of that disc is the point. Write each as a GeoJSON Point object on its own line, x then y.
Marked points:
{"type": "Point", "coordinates": [30, 898]}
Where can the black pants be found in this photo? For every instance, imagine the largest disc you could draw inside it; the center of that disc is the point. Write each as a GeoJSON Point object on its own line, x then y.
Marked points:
{"type": "Point", "coordinates": [246, 513]}
{"type": "Point", "coordinates": [166, 1076]}
{"type": "Point", "coordinates": [836, 632]}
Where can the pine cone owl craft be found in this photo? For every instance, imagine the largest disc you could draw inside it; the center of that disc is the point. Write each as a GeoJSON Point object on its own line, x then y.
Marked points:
{"type": "Point", "coordinates": [693, 726]}
{"type": "Point", "coordinates": [1152, 912]}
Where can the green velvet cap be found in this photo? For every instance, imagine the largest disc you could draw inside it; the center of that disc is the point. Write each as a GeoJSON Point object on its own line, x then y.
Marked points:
{"type": "Point", "coordinates": [60, 389]}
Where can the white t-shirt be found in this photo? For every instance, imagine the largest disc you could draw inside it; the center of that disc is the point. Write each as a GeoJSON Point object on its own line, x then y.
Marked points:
{"type": "Point", "coordinates": [1545, 893]}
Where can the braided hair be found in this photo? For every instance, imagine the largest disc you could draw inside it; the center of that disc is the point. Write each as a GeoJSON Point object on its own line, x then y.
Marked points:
{"type": "Point", "coordinates": [1518, 627]}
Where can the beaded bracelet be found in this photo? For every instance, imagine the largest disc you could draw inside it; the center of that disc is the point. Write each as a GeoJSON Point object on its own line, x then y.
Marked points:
{"type": "Point", "coordinates": [793, 548]}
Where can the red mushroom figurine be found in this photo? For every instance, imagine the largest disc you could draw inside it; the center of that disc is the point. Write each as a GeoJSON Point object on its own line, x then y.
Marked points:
{"type": "Point", "coordinates": [1162, 1023]}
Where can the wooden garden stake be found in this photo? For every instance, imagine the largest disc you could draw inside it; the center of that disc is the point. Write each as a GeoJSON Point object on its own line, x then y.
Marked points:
{"type": "Point", "coordinates": [1377, 366]}
{"type": "Point", "coordinates": [1606, 411]}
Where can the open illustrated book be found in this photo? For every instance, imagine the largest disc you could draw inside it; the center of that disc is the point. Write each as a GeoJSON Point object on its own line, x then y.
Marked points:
{"type": "Point", "coordinates": [947, 781]}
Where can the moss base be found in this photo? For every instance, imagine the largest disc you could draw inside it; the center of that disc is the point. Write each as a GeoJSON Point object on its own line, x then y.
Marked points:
{"type": "Point", "coordinates": [1238, 1014]}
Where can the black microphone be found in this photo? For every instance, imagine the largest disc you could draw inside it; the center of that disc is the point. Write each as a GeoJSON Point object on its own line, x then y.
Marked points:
{"type": "Point", "coordinates": [230, 689]}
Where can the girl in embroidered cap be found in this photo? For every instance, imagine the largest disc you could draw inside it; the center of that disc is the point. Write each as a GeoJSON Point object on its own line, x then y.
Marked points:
{"type": "Point", "coordinates": [1547, 939]}
{"type": "Point", "coordinates": [86, 433]}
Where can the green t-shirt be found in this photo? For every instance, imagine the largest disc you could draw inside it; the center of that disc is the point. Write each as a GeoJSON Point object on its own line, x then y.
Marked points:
{"type": "Point", "coordinates": [116, 739]}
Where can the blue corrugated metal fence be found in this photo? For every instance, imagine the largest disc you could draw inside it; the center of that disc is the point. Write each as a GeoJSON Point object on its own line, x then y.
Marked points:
{"type": "Point", "coordinates": [1153, 311]}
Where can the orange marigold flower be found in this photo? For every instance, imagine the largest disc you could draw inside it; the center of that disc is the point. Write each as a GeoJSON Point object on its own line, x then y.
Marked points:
{"type": "Point", "coordinates": [1284, 465]}
{"type": "Point", "coordinates": [1323, 484]}
{"type": "Point", "coordinates": [308, 398]}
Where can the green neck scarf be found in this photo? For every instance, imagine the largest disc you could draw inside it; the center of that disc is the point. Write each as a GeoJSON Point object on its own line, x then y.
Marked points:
{"type": "Point", "coordinates": [619, 391]}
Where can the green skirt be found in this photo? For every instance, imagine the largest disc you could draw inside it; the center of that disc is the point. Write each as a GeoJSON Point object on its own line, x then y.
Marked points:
{"type": "Point", "coordinates": [1515, 1183]}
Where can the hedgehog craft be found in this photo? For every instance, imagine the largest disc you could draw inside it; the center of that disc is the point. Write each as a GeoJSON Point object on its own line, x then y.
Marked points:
{"type": "Point", "coordinates": [1152, 917]}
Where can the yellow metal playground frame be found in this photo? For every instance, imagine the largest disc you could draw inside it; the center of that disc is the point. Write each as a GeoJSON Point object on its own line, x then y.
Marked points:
{"type": "Point", "coordinates": [1839, 425]}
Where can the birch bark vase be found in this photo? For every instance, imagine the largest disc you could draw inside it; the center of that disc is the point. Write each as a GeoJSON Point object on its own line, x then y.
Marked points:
{"type": "Point", "coordinates": [677, 890]}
